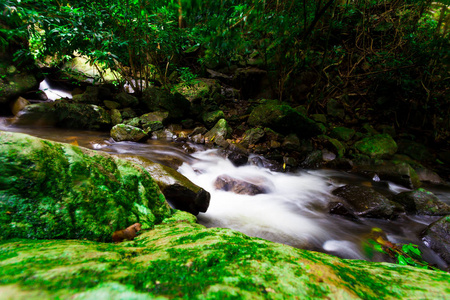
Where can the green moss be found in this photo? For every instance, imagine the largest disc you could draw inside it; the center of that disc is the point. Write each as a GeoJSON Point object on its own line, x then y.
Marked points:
{"type": "Point", "coordinates": [53, 190]}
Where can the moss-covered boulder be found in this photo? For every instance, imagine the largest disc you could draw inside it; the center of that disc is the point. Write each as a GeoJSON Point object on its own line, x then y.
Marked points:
{"type": "Point", "coordinates": [82, 116]}
{"type": "Point", "coordinates": [14, 83]}
{"type": "Point", "coordinates": [211, 118]}
{"type": "Point", "coordinates": [422, 202]}
{"type": "Point", "coordinates": [183, 260]}
{"type": "Point", "coordinates": [201, 88]}
{"type": "Point", "coordinates": [377, 145]}
{"type": "Point", "coordinates": [342, 133]}
{"type": "Point", "coordinates": [158, 99]}
{"type": "Point", "coordinates": [220, 130]}
{"type": "Point", "coordinates": [90, 96]}
{"type": "Point", "coordinates": [37, 114]}
{"type": "Point", "coordinates": [283, 119]}
{"type": "Point", "coordinates": [179, 191]}
{"type": "Point", "coordinates": [126, 100]}
{"type": "Point", "coordinates": [252, 136]}
{"type": "Point", "coordinates": [122, 132]}
{"type": "Point", "coordinates": [54, 190]}
{"type": "Point", "coordinates": [157, 116]}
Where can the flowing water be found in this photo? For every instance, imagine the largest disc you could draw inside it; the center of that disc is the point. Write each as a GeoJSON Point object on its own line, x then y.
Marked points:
{"type": "Point", "coordinates": [293, 210]}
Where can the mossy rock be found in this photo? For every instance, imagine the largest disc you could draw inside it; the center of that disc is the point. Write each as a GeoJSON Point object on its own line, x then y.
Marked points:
{"type": "Point", "coordinates": [201, 88]}
{"type": "Point", "coordinates": [183, 260]}
{"type": "Point", "coordinates": [221, 129]}
{"type": "Point", "coordinates": [377, 146]}
{"type": "Point", "coordinates": [342, 133]}
{"type": "Point", "coordinates": [283, 119]}
{"type": "Point", "coordinates": [54, 190]}
{"type": "Point", "coordinates": [126, 100]}
{"type": "Point", "coordinates": [212, 117]}
{"type": "Point", "coordinates": [422, 202]}
{"type": "Point", "coordinates": [82, 116]}
{"type": "Point", "coordinates": [122, 132]}
{"type": "Point", "coordinates": [157, 99]}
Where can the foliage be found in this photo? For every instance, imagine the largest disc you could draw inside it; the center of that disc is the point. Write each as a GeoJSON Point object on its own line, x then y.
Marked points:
{"type": "Point", "coordinates": [363, 48]}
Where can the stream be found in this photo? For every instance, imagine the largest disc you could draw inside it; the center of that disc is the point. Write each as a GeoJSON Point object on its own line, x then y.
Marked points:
{"type": "Point", "coordinates": [294, 209]}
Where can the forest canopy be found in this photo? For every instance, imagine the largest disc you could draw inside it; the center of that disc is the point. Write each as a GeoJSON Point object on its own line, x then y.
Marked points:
{"type": "Point", "coordinates": [393, 53]}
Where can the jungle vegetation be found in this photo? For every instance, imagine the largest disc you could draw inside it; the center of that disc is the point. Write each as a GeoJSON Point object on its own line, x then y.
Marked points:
{"type": "Point", "coordinates": [390, 55]}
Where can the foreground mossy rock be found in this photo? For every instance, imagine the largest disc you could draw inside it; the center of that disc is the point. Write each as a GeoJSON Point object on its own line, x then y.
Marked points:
{"type": "Point", "coordinates": [179, 191]}
{"type": "Point", "coordinates": [422, 202]}
{"type": "Point", "coordinates": [377, 145]}
{"type": "Point", "coordinates": [283, 119]}
{"type": "Point", "coordinates": [122, 132]}
{"type": "Point", "coordinates": [54, 190]}
{"type": "Point", "coordinates": [366, 202]}
{"type": "Point", "coordinates": [182, 260]}
{"type": "Point", "coordinates": [158, 99]}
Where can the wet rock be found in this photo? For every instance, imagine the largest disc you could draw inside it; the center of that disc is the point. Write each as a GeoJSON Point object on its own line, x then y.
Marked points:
{"type": "Point", "coordinates": [240, 186]}
{"type": "Point", "coordinates": [377, 146]}
{"type": "Point", "coordinates": [13, 84]}
{"type": "Point", "coordinates": [122, 132]}
{"type": "Point", "coordinates": [252, 136]}
{"type": "Point", "coordinates": [179, 191]}
{"type": "Point", "coordinates": [422, 202]}
{"type": "Point", "coordinates": [342, 133]}
{"type": "Point", "coordinates": [128, 113]}
{"type": "Point", "coordinates": [426, 175]}
{"type": "Point", "coordinates": [237, 154]}
{"type": "Point", "coordinates": [111, 104]}
{"type": "Point", "coordinates": [262, 162]}
{"type": "Point", "coordinates": [198, 130]}
{"type": "Point", "coordinates": [212, 117]}
{"type": "Point", "coordinates": [37, 114]}
{"type": "Point", "coordinates": [198, 139]}
{"type": "Point", "coordinates": [18, 105]}
{"type": "Point", "coordinates": [82, 116]}
{"type": "Point", "coordinates": [59, 191]}
{"type": "Point", "coordinates": [283, 119]}
{"type": "Point", "coordinates": [340, 163]}
{"type": "Point", "coordinates": [395, 171]}
{"type": "Point", "coordinates": [116, 117]}
{"type": "Point", "coordinates": [220, 129]}
{"type": "Point", "coordinates": [313, 160]}
{"type": "Point", "coordinates": [157, 116]}
{"type": "Point", "coordinates": [333, 145]}
{"type": "Point", "coordinates": [90, 96]}
{"type": "Point", "coordinates": [158, 99]}
{"type": "Point", "coordinates": [339, 208]}
{"type": "Point", "coordinates": [366, 202]}
{"type": "Point", "coordinates": [163, 134]}
{"type": "Point", "coordinates": [291, 142]}
{"type": "Point", "coordinates": [126, 100]}
{"type": "Point", "coordinates": [437, 237]}
{"type": "Point", "coordinates": [153, 126]}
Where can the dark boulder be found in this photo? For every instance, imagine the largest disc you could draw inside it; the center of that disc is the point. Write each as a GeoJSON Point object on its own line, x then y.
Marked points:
{"type": "Point", "coordinates": [339, 208]}
{"type": "Point", "coordinates": [237, 154]}
{"type": "Point", "coordinates": [366, 202]}
{"type": "Point", "coordinates": [437, 237]}
{"type": "Point", "coordinates": [241, 186]}
{"type": "Point", "coordinates": [157, 99]}
{"type": "Point", "coordinates": [422, 202]}
{"type": "Point", "coordinates": [179, 191]}
{"type": "Point", "coordinates": [283, 119]}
